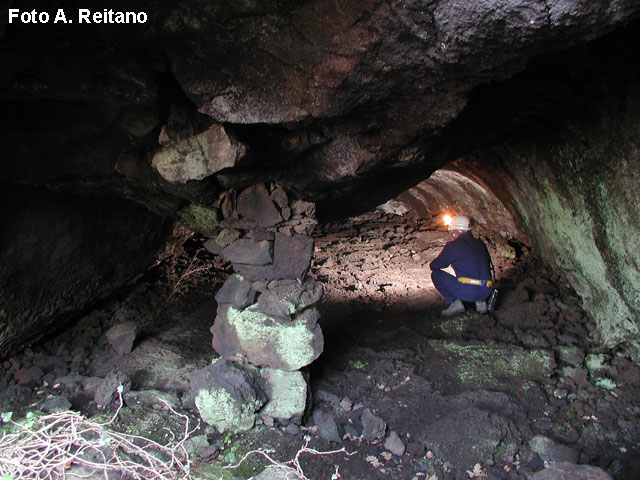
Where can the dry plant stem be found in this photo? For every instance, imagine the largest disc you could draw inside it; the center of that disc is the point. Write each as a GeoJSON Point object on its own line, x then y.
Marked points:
{"type": "Point", "coordinates": [64, 437]}
{"type": "Point", "coordinates": [297, 468]}
{"type": "Point", "coordinates": [192, 270]}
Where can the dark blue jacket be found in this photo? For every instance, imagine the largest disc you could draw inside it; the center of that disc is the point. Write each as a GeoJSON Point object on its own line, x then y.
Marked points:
{"type": "Point", "coordinates": [467, 255]}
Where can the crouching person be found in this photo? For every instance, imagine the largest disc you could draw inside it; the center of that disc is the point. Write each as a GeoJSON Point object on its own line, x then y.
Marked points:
{"type": "Point", "coordinates": [471, 262]}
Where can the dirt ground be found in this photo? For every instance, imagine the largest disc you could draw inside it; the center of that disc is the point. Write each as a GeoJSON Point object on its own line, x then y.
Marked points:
{"type": "Point", "coordinates": [399, 392]}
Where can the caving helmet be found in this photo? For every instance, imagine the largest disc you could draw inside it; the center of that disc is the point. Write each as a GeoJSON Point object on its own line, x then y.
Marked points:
{"type": "Point", "coordinates": [460, 223]}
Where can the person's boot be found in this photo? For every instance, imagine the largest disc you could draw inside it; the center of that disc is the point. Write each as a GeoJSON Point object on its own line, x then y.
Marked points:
{"type": "Point", "coordinates": [481, 307]}
{"type": "Point", "coordinates": [453, 309]}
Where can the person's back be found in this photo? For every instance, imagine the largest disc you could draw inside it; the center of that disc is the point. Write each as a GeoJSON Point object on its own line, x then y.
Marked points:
{"type": "Point", "coordinates": [473, 258]}
{"type": "Point", "coordinates": [469, 258]}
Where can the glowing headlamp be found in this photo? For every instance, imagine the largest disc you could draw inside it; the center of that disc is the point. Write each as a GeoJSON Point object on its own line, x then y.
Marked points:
{"type": "Point", "coordinates": [447, 220]}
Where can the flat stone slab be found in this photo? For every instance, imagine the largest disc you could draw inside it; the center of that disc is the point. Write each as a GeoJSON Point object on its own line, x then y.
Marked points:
{"type": "Point", "coordinates": [249, 252]}
{"type": "Point", "coordinates": [291, 259]}
{"type": "Point", "coordinates": [254, 203]}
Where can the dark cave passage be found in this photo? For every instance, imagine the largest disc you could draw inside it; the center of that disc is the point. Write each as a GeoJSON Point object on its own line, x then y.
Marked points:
{"type": "Point", "coordinates": [388, 350]}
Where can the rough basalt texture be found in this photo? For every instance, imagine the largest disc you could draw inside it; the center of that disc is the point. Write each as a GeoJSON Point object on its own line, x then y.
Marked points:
{"type": "Point", "coordinates": [287, 393]}
{"type": "Point", "coordinates": [198, 156]}
{"type": "Point", "coordinates": [267, 312]}
{"type": "Point", "coordinates": [227, 395]}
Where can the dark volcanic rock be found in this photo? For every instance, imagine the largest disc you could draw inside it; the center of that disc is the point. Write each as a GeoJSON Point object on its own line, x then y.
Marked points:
{"type": "Point", "coordinates": [255, 204]}
{"type": "Point", "coordinates": [373, 427]}
{"type": "Point", "coordinates": [59, 253]}
{"type": "Point", "coordinates": [287, 300]}
{"type": "Point", "coordinates": [345, 106]}
{"type": "Point", "coordinates": [122, 336]}
{"type": "Point", "coordinates": [227, 395]}
{"type": "Point", "coordinates": [249, 252]}
{"type": "Point", "coordinates": [291, 259]}
{"type": "Point", "coordinates": [264, 340]}
{"type": "Point", "coordinates": [563, 470]}
{"type": "Point", "coordinates": [111, 387]}
{"type": "Point", "coordinates": [237, 291]}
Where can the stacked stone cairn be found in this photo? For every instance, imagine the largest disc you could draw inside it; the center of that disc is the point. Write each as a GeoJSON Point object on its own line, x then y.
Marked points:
{"type": "Point", "coordinates": [266, 328]}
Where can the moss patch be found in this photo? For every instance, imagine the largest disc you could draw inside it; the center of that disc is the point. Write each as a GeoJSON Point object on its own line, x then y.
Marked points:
{"type": "Point", "coordinates": [495, 366]}
{"type": "Point", "coordinates": [201, 219]}
{"type": "Point", "coordinates": [453, 327]}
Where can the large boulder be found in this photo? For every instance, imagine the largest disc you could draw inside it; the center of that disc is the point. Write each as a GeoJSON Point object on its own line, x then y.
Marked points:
{"type": "Point", "coordinates": [286, 393]}
{"type": "Point", "coordinates": [199, 156]}
{"type": "Point", "coordinates": [266, 340]}
{"type": "Point", "coordinates": [227, 395]}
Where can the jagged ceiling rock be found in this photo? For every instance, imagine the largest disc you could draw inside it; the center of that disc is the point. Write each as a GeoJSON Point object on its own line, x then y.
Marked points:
{"type": "Point", "coordinates": [198, 156]}
{"type": "Point", "coordinates": [363, 86]}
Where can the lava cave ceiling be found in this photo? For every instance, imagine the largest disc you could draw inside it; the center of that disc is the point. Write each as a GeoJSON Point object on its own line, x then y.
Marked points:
{"type": "Point", "coordinates": [528, 112]}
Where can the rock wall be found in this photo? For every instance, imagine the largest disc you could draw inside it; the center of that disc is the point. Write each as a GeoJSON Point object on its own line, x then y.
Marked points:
{"type": "Point", "coordinates": [266, 328]}
{"type": "Point", "coordinates": [573, 181]}
{"type": "Point", "coordinates": [62, 253]}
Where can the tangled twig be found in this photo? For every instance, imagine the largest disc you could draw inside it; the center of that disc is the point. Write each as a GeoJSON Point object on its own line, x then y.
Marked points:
{"type": "Point", "coordinates": [62, 440]}
{"type": "Point", "coordinates": [192, 270]}
{"type": "Point", "coordinates": [183, 273]}
{"type": "Point", "coordinates": [292, 466]}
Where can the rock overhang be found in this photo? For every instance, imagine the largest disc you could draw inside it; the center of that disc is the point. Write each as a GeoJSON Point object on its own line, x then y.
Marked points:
{"type": "Point", "coordinates": [356, 91]}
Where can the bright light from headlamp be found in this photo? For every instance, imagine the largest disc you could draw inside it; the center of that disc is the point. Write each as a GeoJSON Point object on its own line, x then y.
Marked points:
{"type": "Point", "coordinates": [447, 220]}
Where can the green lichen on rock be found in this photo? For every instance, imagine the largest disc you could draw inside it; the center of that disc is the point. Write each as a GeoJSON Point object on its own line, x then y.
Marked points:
{"type": "Point", "coordinates": [495, 366]}
{"type": "Point", "coordinates": [218, 408]}
{"type": "Point", "coordinates": [357, 364]}
{"type": "Point", "coordinates": [606, 383]}
{"type": "Point", "coordinates": [579, 203]}
{"type": "Point", "coordinates": [198, 156]}
{"type": "Point", "coordinates": [217, 471]}
{"type": "Point", "coordinates": [287, 394]}
{"type": "Point", "coordinates": [288, 345]}
{"type": "Point", "coordinates": [200, 219]}
{"type": "Point", "coordinates": [453, 327]}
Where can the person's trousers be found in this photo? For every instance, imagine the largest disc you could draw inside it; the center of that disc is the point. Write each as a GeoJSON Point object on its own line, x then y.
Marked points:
{"type": "Point", "coordinates": [452, 290]}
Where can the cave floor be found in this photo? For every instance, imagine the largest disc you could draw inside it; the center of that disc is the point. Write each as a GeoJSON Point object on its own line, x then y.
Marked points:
{"type": "Point", "coordinates": [493, 395]}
